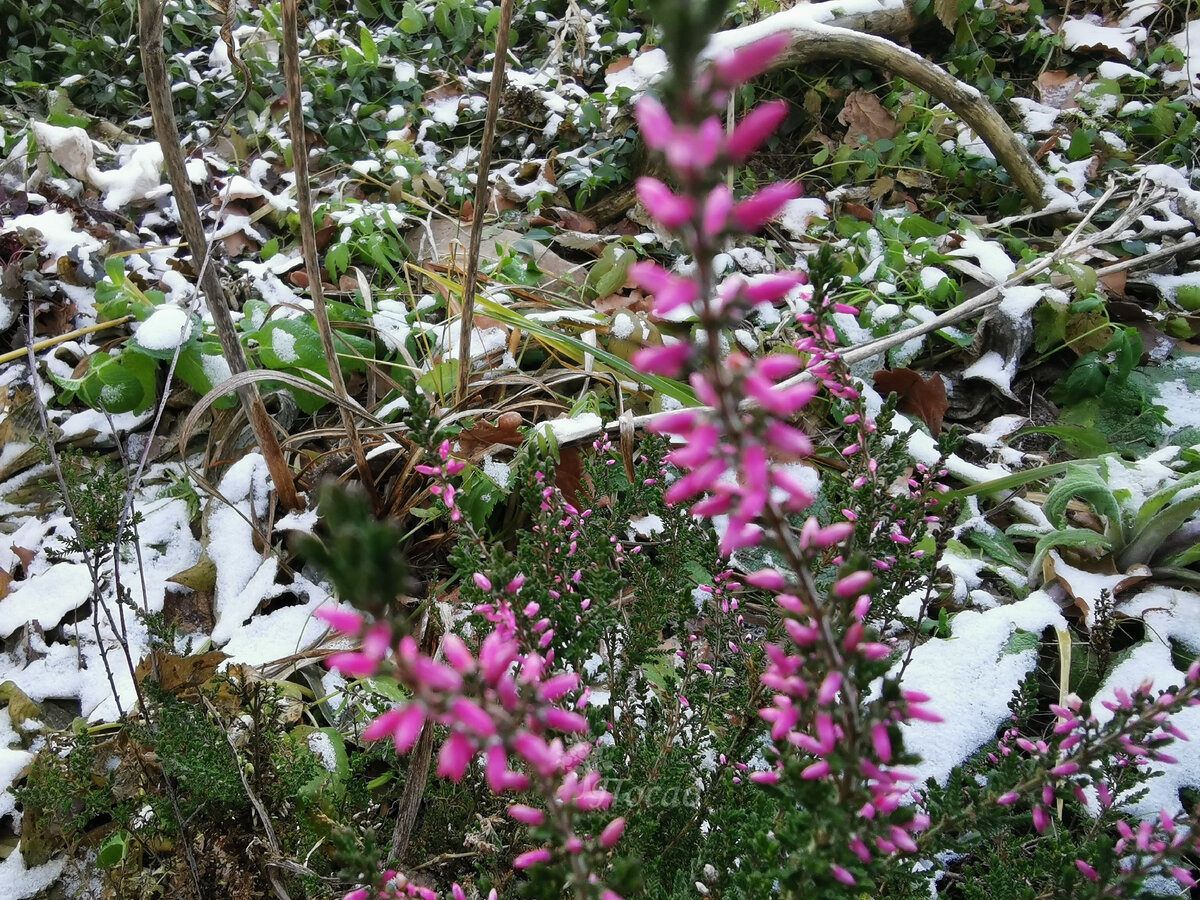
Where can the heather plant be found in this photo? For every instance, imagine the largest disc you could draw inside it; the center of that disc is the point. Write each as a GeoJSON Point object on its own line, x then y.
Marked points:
{"type": "Point", "coordinates": [803, 771]}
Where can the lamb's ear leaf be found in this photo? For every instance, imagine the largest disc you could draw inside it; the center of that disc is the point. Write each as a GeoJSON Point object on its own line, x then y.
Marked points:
{"type": "Point", "coordinates": [1085, 483]}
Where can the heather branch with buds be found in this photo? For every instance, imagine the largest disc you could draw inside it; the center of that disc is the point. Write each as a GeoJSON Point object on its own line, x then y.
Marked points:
{"type": "Point", "coordinates": [848, 811]}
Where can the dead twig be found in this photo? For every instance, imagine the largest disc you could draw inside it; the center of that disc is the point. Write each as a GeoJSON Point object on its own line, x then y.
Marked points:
{"type": "Point", "coordinates": [154, 67]}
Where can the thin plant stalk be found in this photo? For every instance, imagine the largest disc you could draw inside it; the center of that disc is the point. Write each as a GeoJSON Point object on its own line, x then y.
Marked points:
{"type": "Point", "coordinates": [481, 199]}
{"type": "Point", "coordinates": [308, 238]}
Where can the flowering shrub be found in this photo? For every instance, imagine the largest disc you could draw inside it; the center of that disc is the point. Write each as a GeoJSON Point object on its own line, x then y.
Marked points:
{"type": "Point", "coordinates": [812, 738]}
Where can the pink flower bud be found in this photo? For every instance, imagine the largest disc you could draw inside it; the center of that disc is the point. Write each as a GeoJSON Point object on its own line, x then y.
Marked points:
{"type": "Point", "coordinates": [558, 686]}
{"type": "Point", "coordinates": [817, 770]}
{"type": "Point", "coordinates": [612, 833]}
{"type": "Point", "coordinates": [830, 686]}
{"type": "Point", "coordinates": [752, 60]}
{"type": "Point", "coordinates": [532, 858]}
{"type": "Point", "coordinates": [654, 122]}
{"type": "Point", "coordinates": [526, 814]}
{"type": "Point", "coordinates": [590, 801]}
{"type": "Point", "coordinates": [352, 664]}
{"type": "Point", "coordinates": [716, 210]}
{"type": "Point", "coordinates": [565, 720]}
{"type": "Point", "coordinates": [485, 583]}
{"type": "Point", "coordinates": [853, 584]}
{"type": "Point", "coordinates": [768, 579]}
{"type": "Point", "coordinates": [457, 654]}
{"type": "Point", "coordinates": [1041, 821]}
{"type": "Point", "coordinates": [754, 129]}
{"type": "Point", "coordinates": [664, 360]}
{"type": "Point", "coordinates": [340, 619]}
{"type": "Point", "coordinates": [472, 717]}
{"type": "Point", "coordinates": [1087, 871]}
{"type": "Point", "coordinates": [670, 209]}
{"type": "Point", "coordinates": [842, 875]}
{"type": "Point", "coordinates": [764, 777]}
{"type": "Point", "coordinates": [760, 208]}
{"type": "Point", "coordinates": [455, 756]}
{"type": "Point", "coordinates": [881, 741]}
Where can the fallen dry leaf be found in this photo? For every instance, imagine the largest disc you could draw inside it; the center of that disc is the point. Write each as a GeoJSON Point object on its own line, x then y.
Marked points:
{"type": "Point", "coordinates": [1114, 283]}
{"type": "Point", "coordinates": [483, 435]}
{"type": "Point", "coordinates": [1058, 87]}
{"type": "Point", "coordinates": [923, 397]}
{"type": "Point", "coordinates": [180, 674]}
{"type": "Point", "coordinates": [865, 117]}
{"type": "Point", "coordinates": [568, 474]}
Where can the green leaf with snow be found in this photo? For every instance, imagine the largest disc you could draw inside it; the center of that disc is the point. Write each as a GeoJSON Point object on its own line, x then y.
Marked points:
{"type": "Point", "coordinates": [1077, 538]}
{"type": "Point", "coordinates": [291, 344]}
{"type": "Point", "coordinates": [1085, 483]}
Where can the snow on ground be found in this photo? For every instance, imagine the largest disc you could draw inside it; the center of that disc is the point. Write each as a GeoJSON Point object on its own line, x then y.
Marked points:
{"type": "Point", "coordinates": [971, 677]}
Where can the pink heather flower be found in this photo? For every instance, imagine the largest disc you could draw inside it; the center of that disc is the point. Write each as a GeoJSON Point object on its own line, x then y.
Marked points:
{"type": "Point", "coordinates": [455, 756]}
{"type": "Point", "coordinates": [754, 129]}
{"type": "Point", "coordinates": [669, 208]}
{"type": "Point", "coordinates": [1088, 872]}
{"type": "Point", "coordinates": [457, 892]}
{"type": "Point", "coordinates": [767, 579]}
{"type": "Point", "coordinates": [788, 439]}
{"type": "Point", "coordinates": [565, 720]}
{"type": "Point", "coordinates": [716, 210]}
{"type": "Point", "coordinates": [853, 584]}
{"type": "Point", "coordinates": [764, 777]}
{"type": "Point", "coordinates": [1040, 819]}
{"type": "Point", "coordinates": [485, 583]}
{"type": "Point", "coordinates": [663, 360]}
{"type": "Point", "coordinates": [881, 741]}
{"type": "Point", "coordinates": [340, 620]}
{"type": "Point", "coordinates": [457, 654]}
{"type": "Point", "coordinates": [612, 833]}
{"type": "Point", "coordinates": [830, 686]}
{"type": "Point", "coordinates": [590, 801]}
{"type": "Point", "coordinates": [750, 61]}
{"type": "Point", "coordinates": [558, 686]}
{"type": "Point", "coordinates": [537, 753]}
{"type": "Point", "coordinates": [654, 122]}
{"type": "Point", "coordinates": [762, 288]}
{"type": "Point", "coordinates": [1183, 876]}
{"type": "Point", "coordinates": [403, 725]}
{"type": "Point", "coordinates": [760, 208]}
{"type": "Point", "coordinates": [693, 151]}
{"type": "Point", "coordinates": [532, 858]}
{"type": "Point", "coordinates": [670, 291]}
{"type": "Point", "coordinates": [779, 365]}
{"type": "Point", "coordinates": [819, 769]}
{"type": "Point", "coordinates": [842, 875]}
{"type": "Point", "coordinates": [472, 717]}
{"type": "Point", "coordinates": [527, 815]}
{"type": "Point", "coordinates": [495, 656]}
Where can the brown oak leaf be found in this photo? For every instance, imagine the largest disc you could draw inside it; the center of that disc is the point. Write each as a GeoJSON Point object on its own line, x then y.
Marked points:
{"type": "Point", "coordinates": [865, 117]}
{"type": "Point", "coordinates": [921, 396]}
